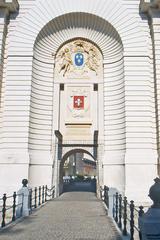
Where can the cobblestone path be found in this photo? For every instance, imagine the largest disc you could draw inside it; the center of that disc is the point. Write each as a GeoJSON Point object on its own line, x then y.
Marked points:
{"type": "Point", "coordinates": [72, 216]}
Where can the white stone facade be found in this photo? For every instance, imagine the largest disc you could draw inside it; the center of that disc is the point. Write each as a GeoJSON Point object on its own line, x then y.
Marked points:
{"type": "Point", "coordinates": [124, 109]}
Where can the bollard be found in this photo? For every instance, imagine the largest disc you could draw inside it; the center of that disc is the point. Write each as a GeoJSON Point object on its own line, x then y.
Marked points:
{"type": "Point", "coordinates": [149, 222]}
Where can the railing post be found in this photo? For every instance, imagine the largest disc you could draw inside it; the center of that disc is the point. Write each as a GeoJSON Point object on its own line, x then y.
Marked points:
{"type": "Point", "coordinates": [113, 209]}
{"type": "Point", "coordinates": [106, 196]}
{"type": "Point", "coordinates": [53, 193]}
{"type": "Point", "coordinates": [101, 191]}
{"type": "Point", "coordinates": [30, 199]}
{"type": "Point", "coordinates": [131, 220]}
{"type": "Point", "coordinates": [116, 208]}
{"type": "Point", "coordinates": [4, 211]}
{"type": "Point", "coordinates": [140, 214]}
{"type": "Point", "coordinates": [43, 194]}
{"type": "Point", "coordinates": [120, 211]}
{"type": "Point", "coordinates": [14, 207]}
{"type": "Point", "coordinates": [141, 211]}
{"type": "Point", "coordinates": [35, 197]}
{"type": "Point", "coordinates": [125, 217]}
{"type": "Point", "coordinates": [39, 203]}
{"type": "Point", "coordinates": [46, 193]}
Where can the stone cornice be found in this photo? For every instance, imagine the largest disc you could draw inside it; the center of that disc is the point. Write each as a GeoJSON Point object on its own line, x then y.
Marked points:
{"type": "Point", "coordinates": [146, 5]}
{"type": "Point", "coordinates": [11, 5]}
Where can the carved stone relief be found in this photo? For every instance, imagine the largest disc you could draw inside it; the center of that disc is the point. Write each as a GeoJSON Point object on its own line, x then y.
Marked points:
{"type": "Point", "coordinates": [78, 58]}
{"type": "Point", "coordinates": [78, 103]}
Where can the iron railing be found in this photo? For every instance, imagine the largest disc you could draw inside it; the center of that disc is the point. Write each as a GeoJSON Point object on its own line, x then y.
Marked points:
{"type": "Point", "coordinates": [124, 213]}
{"type": "Point", "coordinates": [11, 207]}
{"type": "Point", "coordinates": [8, 207]}
{"type": "Point", "coordinates": [40, 195]}
{"type": "Point", "coordinates": [104, 195]}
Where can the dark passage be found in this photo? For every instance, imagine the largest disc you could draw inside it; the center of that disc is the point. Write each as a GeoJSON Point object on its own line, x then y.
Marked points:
{"type": "Point", "coordinates": [80, 186]}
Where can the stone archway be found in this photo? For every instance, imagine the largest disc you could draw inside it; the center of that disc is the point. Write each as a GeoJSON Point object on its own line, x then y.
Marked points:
{"type": "Point", "coordinates": [127, 86]}
{"type": "Point", "coordinates": [48, 84]}
{"type": "Point", "coordinates": [66, 156]}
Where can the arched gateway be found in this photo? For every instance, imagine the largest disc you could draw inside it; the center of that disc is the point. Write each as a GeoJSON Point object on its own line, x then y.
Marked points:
{"type": "Point", "coordinates": [78, 75]}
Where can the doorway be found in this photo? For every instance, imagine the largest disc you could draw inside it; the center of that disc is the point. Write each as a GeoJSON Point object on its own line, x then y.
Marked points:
{"type": "Point", "coordinates": [78, 172]}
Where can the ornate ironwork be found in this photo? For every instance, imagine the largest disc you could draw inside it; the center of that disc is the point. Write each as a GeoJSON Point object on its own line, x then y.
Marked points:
{"type": "Point", "coordinates": [120, 211]}
{"type": "Point", "coordinates": [125, 216]}
{"type": "Point", "coordinates": [116, 208]}
{"type": "Point", "coordinates": [14, 206]}
{"type": "Point", "coordinates": [132, 220]}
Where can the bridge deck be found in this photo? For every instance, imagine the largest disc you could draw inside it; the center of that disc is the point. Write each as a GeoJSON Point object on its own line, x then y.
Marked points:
{"type": "Point", "coordinates": [72, 216]}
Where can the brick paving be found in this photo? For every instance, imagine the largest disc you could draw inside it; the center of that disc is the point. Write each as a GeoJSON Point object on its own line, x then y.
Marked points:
{"type": "Point", "coordinates": [72, 216]}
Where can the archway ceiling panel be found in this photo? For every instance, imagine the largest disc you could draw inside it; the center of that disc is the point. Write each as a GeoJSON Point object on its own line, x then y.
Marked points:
{"type": "Point", "coordinates": [113, 11]}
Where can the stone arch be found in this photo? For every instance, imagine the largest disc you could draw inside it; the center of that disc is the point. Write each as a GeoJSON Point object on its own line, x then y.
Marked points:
{"type": "Point", "coordinates": [64, 158]}
{"type": "Point", "coordinates": [75, 150]}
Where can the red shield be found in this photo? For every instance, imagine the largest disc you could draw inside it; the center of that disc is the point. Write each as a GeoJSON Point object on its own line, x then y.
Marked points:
{"type": "Point", "coordinates": [78, 102]}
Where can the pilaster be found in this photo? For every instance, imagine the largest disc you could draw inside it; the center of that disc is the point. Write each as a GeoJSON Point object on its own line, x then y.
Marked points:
{"type": "Point", "coordinates": [152, 9]}
{"type": "Point", "coordinates": [13, 164]}
{"type": "Point", "coordinates": [154, 14]}
{"type": "Point", "coordinates": [140, 154]}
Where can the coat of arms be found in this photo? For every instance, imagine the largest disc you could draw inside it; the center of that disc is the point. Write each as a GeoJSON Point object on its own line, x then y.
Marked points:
{"type": "Point", "coordinates": [79, 59]}
{"type": "Point", "coordinates": [78, 102]}
{"type": "Point", "coordinates": [78, 56]}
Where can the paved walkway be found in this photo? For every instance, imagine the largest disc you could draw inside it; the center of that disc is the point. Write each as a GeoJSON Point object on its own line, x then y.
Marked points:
{"type": "Point", "coordinates": [72, 216]}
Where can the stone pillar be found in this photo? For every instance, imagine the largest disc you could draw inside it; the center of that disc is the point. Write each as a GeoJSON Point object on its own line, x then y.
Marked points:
{"type": "Point", "coordinates": [152, 10]}
{"type": "Point", "coordinates": [154, 15]}
{"type": "Point", "coordinates": [140, 155]}
{"type": "Point", "coordinates": [149, 223]}
{"type": "Point", "coordinates": [23, 199]}
{"type": "Point", "coordinates": [6, 7]}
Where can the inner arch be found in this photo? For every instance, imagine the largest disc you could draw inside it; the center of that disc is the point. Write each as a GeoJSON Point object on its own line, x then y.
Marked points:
{"type": "Point", "coordinates": [77, 171]}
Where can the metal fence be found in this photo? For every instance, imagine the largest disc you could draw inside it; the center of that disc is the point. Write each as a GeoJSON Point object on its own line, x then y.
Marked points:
{"type": "Point", "coordinates": [124, 213]}
{"type": "Point", "coordinates": [40, 195]}
{"type": "Point", "coordinates": [8, 207]}
{"type": "Point", "coordinates": [11, 207]}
